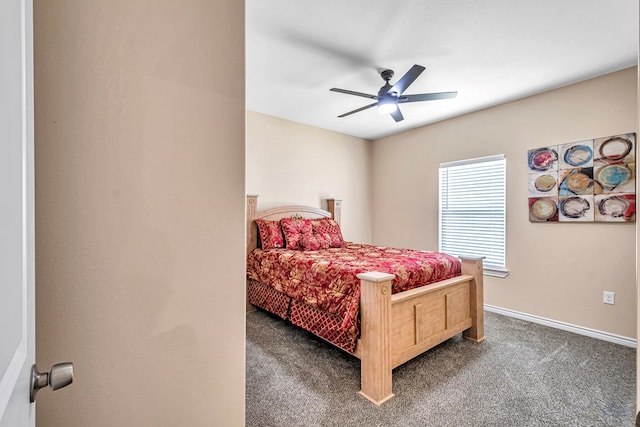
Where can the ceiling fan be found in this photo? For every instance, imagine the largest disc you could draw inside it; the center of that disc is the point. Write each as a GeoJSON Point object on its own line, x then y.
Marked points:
{"type": "Point", "coordinates": [390, 96]}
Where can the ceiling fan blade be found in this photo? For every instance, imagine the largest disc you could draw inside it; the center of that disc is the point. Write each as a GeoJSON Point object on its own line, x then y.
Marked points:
{"type": "Point", "coordinates": [397, 115]}
{"type": "Point", "coordinates": [351, 92]}
{"type": "Point", "coordinates": [402, 84]}
{"type": "Point", "coordinates": [358, 110]}
{"type": "Point", "coordinates": [427, 96]}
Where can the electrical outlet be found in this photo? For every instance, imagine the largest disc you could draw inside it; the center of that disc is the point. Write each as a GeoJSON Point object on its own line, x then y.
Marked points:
{"type": "Point", "coordinates": [608, 297]}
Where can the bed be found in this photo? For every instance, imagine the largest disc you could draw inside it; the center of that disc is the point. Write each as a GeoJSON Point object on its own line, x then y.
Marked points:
{"type": "Point", "coordinates": [385, 319]}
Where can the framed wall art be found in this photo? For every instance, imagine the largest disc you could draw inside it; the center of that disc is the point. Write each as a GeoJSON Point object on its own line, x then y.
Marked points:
{"type": "Point", "coordinates": [584, 181]}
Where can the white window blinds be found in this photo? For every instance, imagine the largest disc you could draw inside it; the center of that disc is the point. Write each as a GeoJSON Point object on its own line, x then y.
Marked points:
{"type": "Point", "coordinates": [472, 210]}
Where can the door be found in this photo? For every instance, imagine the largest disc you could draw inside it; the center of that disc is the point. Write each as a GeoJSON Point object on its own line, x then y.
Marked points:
{"type": "Point", "coordinates": [17, 329]}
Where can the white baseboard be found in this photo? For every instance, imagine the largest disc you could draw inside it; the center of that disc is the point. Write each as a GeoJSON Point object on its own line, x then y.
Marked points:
{"type": "Point", "coordinates": [605, 336]}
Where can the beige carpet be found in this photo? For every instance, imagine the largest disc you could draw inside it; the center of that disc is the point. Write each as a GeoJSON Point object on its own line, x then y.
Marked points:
{"type": "Point", "coordinates": [524, 374]}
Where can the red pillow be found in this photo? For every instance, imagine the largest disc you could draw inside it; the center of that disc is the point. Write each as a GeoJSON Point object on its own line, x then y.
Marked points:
{"type": "Point", "coordinates": [314, 242]}
{"type": "Point", "coordinates": [324, 239]}
{"type": "Point", "coordinates": [330, 227]}
{"type": "Point", "coordinates": [270, 234]}
{"type": "Point", "coordinates": [294, 229]}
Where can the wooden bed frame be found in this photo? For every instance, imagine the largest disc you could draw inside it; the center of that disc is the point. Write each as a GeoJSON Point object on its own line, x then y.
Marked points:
{"type": "Point", "coordinates": [396, 328]}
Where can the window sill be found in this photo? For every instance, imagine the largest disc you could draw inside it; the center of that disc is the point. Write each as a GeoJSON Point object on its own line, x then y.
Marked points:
{"type": "Point", "coordinates": [496, 273]}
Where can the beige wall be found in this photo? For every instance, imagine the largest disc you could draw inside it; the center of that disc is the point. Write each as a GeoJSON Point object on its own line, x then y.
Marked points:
{"type": "Point", "coordinates": [292, 163]}
{"type": "Point", "coordinates": [557, 271]}
{"type": "Point", "coordinates": [637, 263]}
{"type": "Point", "coordinates": [139, 120]}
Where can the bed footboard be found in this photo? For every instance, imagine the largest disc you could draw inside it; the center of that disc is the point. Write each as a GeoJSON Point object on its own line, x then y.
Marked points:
{"type": "Point", "coordinates": [396, 328]}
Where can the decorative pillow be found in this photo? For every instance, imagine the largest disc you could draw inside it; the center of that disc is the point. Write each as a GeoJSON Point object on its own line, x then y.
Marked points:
{"type": "Point", "coordinates": [314, 242]}
{"type": "Point", "coordinates": [330, 227]}
{"type": "Point", "coordinates": [294, 229]}
{"type": "Point", "coordinates": [270, 234]}
{"type": "Point", "coordinates": [324, 239]}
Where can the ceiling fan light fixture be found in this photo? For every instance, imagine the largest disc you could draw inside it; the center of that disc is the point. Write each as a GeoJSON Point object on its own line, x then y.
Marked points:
{"type": "Point", "coordinates": [387, 105]}
{"type": "Point", "coordinates": [389, 95]}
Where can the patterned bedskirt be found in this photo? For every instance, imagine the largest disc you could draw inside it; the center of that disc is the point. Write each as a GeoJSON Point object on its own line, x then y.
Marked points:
{"type": "Point", "coordinates": [319, 323]}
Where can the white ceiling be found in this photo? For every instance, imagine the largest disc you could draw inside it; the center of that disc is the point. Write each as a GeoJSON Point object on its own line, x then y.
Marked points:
{"type": "Point", "coordinates": [490, 51]}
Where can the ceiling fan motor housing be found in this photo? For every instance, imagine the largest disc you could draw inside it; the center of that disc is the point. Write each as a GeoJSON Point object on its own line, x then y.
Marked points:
{"type": "Point", "coordinates": [384, 91]}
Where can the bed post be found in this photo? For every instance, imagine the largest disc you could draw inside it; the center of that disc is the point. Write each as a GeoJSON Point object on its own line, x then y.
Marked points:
{"type": "Point", "coordinates": [252, 204]}
{"type": "Point", "coordinates": [252, 238]}
{"type": "Point", "coordinates": [473, 267]}
{"type": "Point", "coordinates": [375, 342]}
{"type": "Point", "coordinates": [335, 207]}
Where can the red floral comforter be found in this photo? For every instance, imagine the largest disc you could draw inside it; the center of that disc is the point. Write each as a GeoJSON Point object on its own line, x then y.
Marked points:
{"type": "Point", "coordinates": [326, 279]}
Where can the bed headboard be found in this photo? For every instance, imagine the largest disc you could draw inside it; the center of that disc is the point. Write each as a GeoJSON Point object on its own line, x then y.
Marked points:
{"type": "Point", "coordinates": [334, 207]}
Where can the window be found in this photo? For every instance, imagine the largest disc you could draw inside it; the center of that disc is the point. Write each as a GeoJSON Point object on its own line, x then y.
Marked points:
{"type": "Point", "coordinates": [472, 210]}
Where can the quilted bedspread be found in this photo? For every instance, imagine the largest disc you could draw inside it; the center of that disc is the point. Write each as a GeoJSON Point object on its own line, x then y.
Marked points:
{"type": "Point", "coordinates": [326, 279]}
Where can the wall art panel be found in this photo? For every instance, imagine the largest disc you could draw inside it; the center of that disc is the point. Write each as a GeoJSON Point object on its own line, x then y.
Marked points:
{"type": "Point", "coordinates": [583, 181]}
